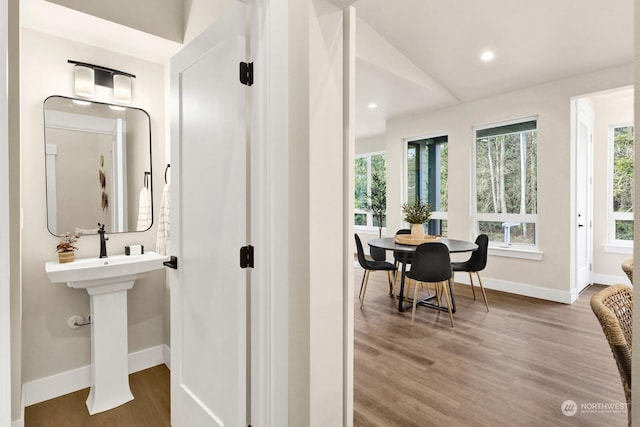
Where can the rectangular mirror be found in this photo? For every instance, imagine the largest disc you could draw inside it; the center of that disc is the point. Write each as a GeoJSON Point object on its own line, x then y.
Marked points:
{"type": "Point", "coordinates": [98, 167]}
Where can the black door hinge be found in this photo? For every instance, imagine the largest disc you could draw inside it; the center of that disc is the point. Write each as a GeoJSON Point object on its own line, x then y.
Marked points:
{"type": "Point", "coordinates": [246, 73]}
{"type": "Point", "coordinates": [246, 256]}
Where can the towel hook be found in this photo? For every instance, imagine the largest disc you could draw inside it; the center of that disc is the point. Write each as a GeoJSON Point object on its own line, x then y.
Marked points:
{"type": "Point", "coordinates": [165, 172]}
{"type": "Point", "coordinates": [147, 175]}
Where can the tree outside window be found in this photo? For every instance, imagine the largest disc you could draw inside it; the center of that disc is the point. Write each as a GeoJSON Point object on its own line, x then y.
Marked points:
{"type": "Point", "coordinates": [506, 183]}
{"type": "Point", "coordinates": [370, 190]}
{"type": "Point", "coordinates": [621, 223]}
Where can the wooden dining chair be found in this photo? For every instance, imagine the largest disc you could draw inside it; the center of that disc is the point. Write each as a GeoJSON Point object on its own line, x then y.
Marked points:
{"type": "Point", "coordinates": [370, 266]}
{"type": "Point", "coordinates": [431, 264]}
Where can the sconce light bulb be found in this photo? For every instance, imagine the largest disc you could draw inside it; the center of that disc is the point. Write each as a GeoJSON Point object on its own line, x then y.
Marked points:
{"type": "Point", "coordinates": [121, 88]}
{"type": "Point", "coordinates": [84, 81]}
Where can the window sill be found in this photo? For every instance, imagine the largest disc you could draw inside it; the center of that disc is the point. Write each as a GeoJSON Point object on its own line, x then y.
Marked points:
{"type": "Point", "coordinates": [511, 252]}
{"type": "Point", "coordinates": [369, 230]}
{"type": "Point", "coordinates": [612, 248]}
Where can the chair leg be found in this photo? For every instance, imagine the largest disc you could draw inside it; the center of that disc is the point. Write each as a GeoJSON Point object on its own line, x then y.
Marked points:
{"type": "Point", "coordinates": [472, 288]}
{"type": "Point", "coordinates": [437, 291]}
{"type": "Point", "coordinates": [415, 301]}
{"type": "Point", "coordinates": [407, 287]}
{"type": "Point", "coordinates": [364, 290]}
{"type": "Point", "coordinates": [391, 282]}
{"type": "Point", "coordinates": [445, 289]}
{"type": "Point", "coordinates": [364, 276]}
{"type": "Point", "coordinates": [484, 295]}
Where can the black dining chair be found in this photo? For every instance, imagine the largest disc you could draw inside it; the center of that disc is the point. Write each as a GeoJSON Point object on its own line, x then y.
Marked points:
{"type": "Point", "coordinates": [431, 264]}
{"type": "Point", "coordinates": [475, 264]}
{"type": "Point", "coordinates": [399, 256]}
{"type": "Point", "coordinates": [378, 254]}
{"type": "Point", "coordinates": [370, 266]}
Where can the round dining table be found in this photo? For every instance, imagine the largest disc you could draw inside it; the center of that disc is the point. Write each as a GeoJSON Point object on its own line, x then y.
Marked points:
{"type": "Point", "coordinates": [404, 250]}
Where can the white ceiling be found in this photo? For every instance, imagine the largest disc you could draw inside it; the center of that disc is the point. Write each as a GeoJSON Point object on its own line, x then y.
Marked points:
{"type": "Point", "coordinates": [416, 55]}
{"type": "Point", "coordinates": [51, 18]}
{"type": "Point", "coordinates": [534, 42]}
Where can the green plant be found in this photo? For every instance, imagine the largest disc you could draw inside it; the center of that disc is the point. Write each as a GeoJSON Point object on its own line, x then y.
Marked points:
{"type": "Point", "coordinates": [377, 202]}
{"type": "Point", "coordinates": [417, 212]}
{"type": "Point", "coordinates": [66, 244]}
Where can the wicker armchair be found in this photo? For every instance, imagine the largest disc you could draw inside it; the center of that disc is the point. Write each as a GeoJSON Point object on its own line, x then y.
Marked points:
{"type": "Point", "coordinates": [613, 307]}
{"type": "Point", "coordinates": [627, 267]}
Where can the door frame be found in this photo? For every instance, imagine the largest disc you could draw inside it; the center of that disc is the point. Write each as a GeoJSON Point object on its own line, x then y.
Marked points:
{"type": "Point", "coordinates": [268, 206]}
{"type": "Point", "coordinates": [580, 109]}
{"type": "Point", "coordinates": [5, 257]}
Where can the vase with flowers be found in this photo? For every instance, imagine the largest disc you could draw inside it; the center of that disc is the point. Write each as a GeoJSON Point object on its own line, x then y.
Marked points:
{"type": "Point", "coordinates": [417, 214]}
{"type": "Point", "coordinates": [66, 249]}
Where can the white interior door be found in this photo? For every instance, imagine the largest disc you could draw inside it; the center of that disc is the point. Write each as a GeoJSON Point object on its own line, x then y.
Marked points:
{"type": "Point", "coordinates": [584, 184]}
{"type": "Point", "coordinates": [209, 223]}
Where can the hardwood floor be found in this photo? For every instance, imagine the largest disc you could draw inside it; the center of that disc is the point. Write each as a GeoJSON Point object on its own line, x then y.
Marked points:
{"type": "Point", "coordinates": [150, 408]}
{"type": "Point", "coordinates": [513, 366]}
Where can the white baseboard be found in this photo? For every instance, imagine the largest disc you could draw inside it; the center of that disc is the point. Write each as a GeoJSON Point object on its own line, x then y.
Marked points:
{"type": "Point", "coordinates": [539, 292]}
{"type": "Point", "coordinates": [166, 351]}
{"type": "Point", "coordinates": [606, 279]}
{"type": "Point", "coordinates": [77, 379]}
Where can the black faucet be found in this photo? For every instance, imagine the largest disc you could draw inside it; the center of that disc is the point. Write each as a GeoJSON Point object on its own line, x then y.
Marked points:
{"type": "Point", "coordinates": [103, 241]}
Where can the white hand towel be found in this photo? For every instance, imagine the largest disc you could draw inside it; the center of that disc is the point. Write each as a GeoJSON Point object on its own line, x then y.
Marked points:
{"type": "Point", "coordinates": [163, 240]}
{"type": "Point", "coordinates": [144, 210]}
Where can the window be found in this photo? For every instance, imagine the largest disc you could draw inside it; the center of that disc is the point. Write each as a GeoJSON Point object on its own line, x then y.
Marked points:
{"type": "Point", "coordinates": [506, 183]}
{"type": "Point", "coordinates": [621, 184]}
{"type": "Point", "coordinates": [427, 171]}
{"type": "Point", "coordinates": [370, 190]}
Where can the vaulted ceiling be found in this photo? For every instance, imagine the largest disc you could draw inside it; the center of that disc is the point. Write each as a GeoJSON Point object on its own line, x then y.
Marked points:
{"type": "Point", "coordinates": [533, 41]}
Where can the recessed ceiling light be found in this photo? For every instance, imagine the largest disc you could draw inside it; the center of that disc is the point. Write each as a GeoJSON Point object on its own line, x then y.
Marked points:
{"type": "Point", "coordinates": [372, 105]}
{"type": "Point", "coordinates": [487, 55]}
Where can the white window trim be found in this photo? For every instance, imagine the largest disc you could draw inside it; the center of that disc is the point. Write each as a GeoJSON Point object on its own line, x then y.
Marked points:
{"type": "Point", "coordinates": [516, 252]}
{"type": "Point", "coordinates": [369, 228]}
{"type": "Point", "coordinates": [626, 249]}
{"type": "Point", "coordinates": [614, 245]}
{"type": "Point", "coordinates": [531, 252]}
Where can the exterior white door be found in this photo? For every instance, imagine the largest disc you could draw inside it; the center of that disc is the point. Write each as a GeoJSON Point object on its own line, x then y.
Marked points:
{"type": "Point", "coordinates": [584, 246]}
{"type": "Point", "coordinates": [209, 226]}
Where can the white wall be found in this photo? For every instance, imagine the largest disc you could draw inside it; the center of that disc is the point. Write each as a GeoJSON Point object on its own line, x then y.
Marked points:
{"type": "Point", "coordinates": [550, 277]}
{"type": "Point", "coordinates": [315, 214]}
{"type": "Point", "coordinates": [50, 347]}
{"type": "Point", "coordinates": [371, 144]}
{"type": "Point", "coordinates": [609, 109]}
{"type": "Point", "coordinates": [199, 14]}
{"type": "Point", "coordinates": [635, 365]}
{"type": "Point", "coordinates": [5, 251]}
{"type": "Point", "coordinates": [163, 18]}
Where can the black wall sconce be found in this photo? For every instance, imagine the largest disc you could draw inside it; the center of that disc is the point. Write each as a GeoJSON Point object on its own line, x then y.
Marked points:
{"type": "Point", "coordinates": [88, 75]}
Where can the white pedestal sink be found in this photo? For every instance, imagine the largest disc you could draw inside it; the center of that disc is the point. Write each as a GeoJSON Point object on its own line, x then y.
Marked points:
{"type": "Point", "coordinates": [107, 281]}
